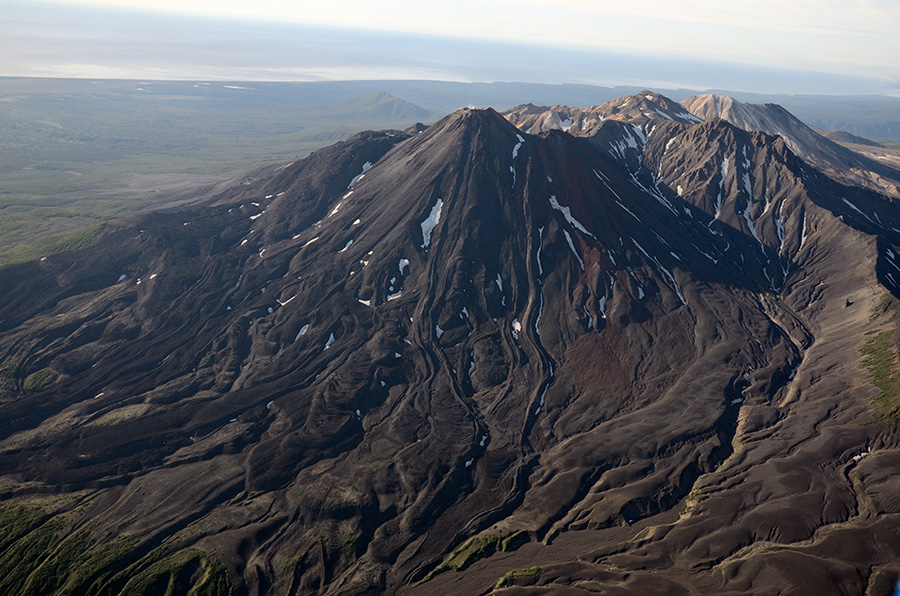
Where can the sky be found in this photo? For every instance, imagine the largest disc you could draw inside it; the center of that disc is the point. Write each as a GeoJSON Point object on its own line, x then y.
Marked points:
{"type": "Point", "coordinates": [769, 46]}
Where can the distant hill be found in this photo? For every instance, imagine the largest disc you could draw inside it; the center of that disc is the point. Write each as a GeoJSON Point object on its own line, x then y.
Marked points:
{"type": "Point", "coordinates": [376, 108]}
{"type": "Point", "coordinates": [841, 136]}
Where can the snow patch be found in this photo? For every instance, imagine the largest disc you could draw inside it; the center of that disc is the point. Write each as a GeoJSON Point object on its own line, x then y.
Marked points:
{"type": "Point", "coordinates": [721, 190]}
{"type": "Point", "coordinates": [431, 222]}
{"type": "Point", "coordinates": [366, 167]}
{"type": "Point", "coordinates": [664, 270]}
{"type": "Point", "coordinates": [574, 252]}
{"type": "Point", "coordinates": [857, 209]}
{"type": "Point", "coordinates": [669, 144]}
{"type": "Point", "coordinates": [515, 151]}
{"type": "Point", "coordinates": [540, 246]}
{"type": "Point", "coordinates": [329, 342]}
{"type": "Point", "coordinates": [664, 115]}
{"type": "Point", "coordinates": [567, 213]}
{"type": "Point", "coordinates": [302, 332]}
{"type": "Point", "coordinates": [404, 264]}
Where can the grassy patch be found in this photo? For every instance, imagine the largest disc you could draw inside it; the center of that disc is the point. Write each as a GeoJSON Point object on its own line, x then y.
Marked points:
{"type": "Point", "coordinates": [291, 563]}
{"type": "Point", "coordinates": [348, 546]}
{"type": "Point", "coordinates": [885, 305]}
{"type": "Point", "coordinates": [881, 360]}
{"type": "Point", "coordinates": [471, 551]}
{"type": "Point", "coordinates": [21, 252]}
{"type": "Point", "coordinates": [192, 572]}
{"type": "Point", "coordinates": [527, 572]}
{"type": "Point", "coordinates": [40, 379]}
{"type": "Point", "coordinates": [27, 547]}
{"type": "Point", "coordinates": [38, 558]}
{"type": "Point", "coordinates": [692, 501]}
{"type": "Point", "coordinates": [517, 539]}
{"type": "Point", "coordinates": [18, 520]}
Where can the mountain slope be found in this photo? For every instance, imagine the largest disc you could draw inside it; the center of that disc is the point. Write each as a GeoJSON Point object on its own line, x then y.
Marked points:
{"type": "Point", "coordinates": [841, 163]}
{"type": "Point", "coordinates": [629, 357]}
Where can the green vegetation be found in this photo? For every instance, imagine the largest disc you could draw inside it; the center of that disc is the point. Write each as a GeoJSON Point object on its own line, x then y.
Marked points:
{"type": "Point", "coordinates": [73, 566]}
{"type": "Point", "coordinates": [885, 305]}
{"type": "Point", "coordinates": [692, 501]}
{"type": "Point", "coordinates": [29, 250]}
{"type": "Point", "coordinates": [470, 552]}
{"type": "Point", "coordinates": [40, 379]}
{"type": "Point", "coordinates": [348, 546]}
{"type": "Point", "coordinates": [68, 148]}
{"type": "Point", "coordinates": [880, 358]}
{"type": "Point", "coordinates": [26, 547]}
{"type": "Point", "coordinates": [291, 563]}
{"type": "Point", "coordinates": [37, 559]}
{"type": "Point", "coordinates": [18, 520]}
{"type": "Point", "coordinates": [514, 541]}
{"type": "Point", "coordinates": [190, 572]}
{"type": "Point", "coordinates": [516, 573]}
{"type": "Point", "coordinates": [478, 548]}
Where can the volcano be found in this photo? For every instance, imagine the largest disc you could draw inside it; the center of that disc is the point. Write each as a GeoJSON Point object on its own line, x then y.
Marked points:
{"type": "Point", "coordinates": [620, 349]}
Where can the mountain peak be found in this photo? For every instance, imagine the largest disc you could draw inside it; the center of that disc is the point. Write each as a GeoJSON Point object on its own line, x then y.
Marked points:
{"type": "Point", "coordinates": [485, 119]}
{"type": "Point", "coordinates": [806, 143]}
{"type": "Point", "coordinates": [639, 109]}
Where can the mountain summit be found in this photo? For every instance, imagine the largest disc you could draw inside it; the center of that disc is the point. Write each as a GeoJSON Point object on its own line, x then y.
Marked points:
{"type": "Point", "coordinates": [842, 164]}
{"type": "Point", "coordinates": [624, 352]}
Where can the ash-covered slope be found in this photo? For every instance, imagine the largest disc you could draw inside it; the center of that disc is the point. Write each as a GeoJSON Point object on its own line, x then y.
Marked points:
{"type": "Point", "coordinates": [841, 163]}
{"type": "Point", "coordinates": [420, 360]}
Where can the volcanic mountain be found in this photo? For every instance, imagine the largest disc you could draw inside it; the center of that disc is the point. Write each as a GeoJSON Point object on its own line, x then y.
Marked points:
{"type": "Point", "coordinates": [652, 357]}
{"type": "Point", "coordinates": [846, 166]}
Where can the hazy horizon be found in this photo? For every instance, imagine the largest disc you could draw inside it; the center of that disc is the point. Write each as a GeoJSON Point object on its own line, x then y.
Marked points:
{"type": "Point", "coordinates": [77, 40]}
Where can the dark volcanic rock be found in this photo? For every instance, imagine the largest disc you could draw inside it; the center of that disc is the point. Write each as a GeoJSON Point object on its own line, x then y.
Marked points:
{"type": "Point", "coordinates": [627, 358]}
{"type": "Point", "coordinates": [844, 165]}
